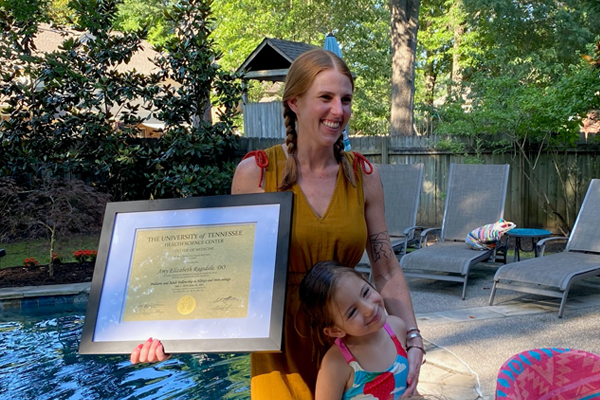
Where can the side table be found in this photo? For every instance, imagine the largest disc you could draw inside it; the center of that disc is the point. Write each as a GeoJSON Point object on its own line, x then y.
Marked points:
{"type": "Point", "coordinates": [521, 233]}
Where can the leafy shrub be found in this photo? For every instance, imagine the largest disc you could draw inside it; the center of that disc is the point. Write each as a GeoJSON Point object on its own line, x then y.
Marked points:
{"type": "Point", "coordinates": [82, 85]}
{"type": "Point", "coordinates": [64, 206]}
{"type": "Point", "coordinates": [11, 210]}
{"type": "Point", "coordinates": [85, 256]}
{"type": "Point", "coordinates": [57, 258]}
{"type": "Point", "coordinates": [31, 262]}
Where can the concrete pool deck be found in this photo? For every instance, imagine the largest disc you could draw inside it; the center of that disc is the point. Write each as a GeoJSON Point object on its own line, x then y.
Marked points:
{"type": "Point", "coordinates": [466, 340]}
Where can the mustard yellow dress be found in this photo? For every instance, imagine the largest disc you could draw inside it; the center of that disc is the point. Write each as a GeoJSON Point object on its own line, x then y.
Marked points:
{"type": "Point", "coordinates": [340, 234]}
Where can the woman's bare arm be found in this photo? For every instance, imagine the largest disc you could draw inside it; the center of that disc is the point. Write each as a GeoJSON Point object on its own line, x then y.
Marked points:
{"type": "Point", "coordinates": [387, 274]}
{"type": "Point", "coordinates": [247, 178]}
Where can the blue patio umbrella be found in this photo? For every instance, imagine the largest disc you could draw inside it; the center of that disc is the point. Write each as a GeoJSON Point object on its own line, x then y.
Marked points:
{"type": "Point", "coordinates": [332, 45]}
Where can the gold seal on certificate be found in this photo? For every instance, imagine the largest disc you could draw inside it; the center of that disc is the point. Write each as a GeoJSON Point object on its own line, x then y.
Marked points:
{"type": "Point", "coordinates": [186, 305]}
{"type": "Point", "coordinates": [195, 272]}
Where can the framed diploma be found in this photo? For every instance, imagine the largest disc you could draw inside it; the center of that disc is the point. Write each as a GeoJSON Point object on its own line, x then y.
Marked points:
{"type": "Point", "coordinates": [202, 274]}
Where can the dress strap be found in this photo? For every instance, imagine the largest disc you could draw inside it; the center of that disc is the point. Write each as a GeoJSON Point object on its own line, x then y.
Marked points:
{"type": "Point", "coordinates": [261, 160]}
{"type": "Point", "coordinates": [360, 159]}
{"type": "Point", "coordinates": [399, 349]}
{"type": "Point", "coordinates": [389, 330]}
{"type": "Point", "coordinates": [345, 350]}
{"type": "Point", "coordinates": [349, 357]}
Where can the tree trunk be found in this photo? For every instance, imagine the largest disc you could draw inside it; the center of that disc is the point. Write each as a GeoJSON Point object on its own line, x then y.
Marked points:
{"type": "Point", "coordinates": [456, 68]}
{"type": "Point", "coordinates": [426, 127]}
{"type": "Point", "coordinates": [458, 28]}
{"type": "Point", "coordinates": [430, 79]}
{"type": "Point", "coordinates": [405, 25]}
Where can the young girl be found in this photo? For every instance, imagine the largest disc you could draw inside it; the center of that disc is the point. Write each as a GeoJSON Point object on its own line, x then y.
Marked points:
{"type": "Point", "coordinates": [344, 306]}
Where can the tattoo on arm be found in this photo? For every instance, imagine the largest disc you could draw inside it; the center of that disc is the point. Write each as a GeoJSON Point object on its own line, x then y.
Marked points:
{"type": "Point", "coordinates": [381, 246]}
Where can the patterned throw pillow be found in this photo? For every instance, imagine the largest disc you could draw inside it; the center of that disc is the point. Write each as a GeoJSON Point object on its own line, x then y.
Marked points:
{"type": "Point", "coordinates": [550, 374]}
{"type": "Point", "coordinates": [486, 237]}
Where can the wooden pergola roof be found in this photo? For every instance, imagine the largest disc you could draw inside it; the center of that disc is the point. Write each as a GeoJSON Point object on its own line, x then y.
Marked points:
{"type": "Point", "coordinates": [272, 58]}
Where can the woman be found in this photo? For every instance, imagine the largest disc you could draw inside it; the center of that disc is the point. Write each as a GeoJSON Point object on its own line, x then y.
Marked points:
{"type": "Point", "coordinates": [338, 208]}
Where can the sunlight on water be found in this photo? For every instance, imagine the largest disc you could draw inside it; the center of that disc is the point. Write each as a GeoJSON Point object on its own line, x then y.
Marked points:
{"type": "Point", "coordinates": [39, 360]}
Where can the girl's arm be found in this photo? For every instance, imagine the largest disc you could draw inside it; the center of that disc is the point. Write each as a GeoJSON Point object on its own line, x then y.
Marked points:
{"type": "Point", "coordinates": [333, 376]}
{"type": "Point", "coordinates": [387, 274]}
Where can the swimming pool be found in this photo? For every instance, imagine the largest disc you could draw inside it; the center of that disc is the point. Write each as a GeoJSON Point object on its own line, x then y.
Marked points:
{"type": "Point", "coordinates": [39, 360]}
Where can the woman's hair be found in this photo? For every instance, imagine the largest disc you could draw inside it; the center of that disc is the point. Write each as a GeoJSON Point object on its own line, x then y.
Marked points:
{"type": "Point", "coordinates": [318, 289]}
{"type": "Point", "coordinates": [300, 76]}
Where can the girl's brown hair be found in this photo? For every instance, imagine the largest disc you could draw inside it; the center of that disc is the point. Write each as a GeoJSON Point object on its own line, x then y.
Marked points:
{"type": "Point", "coordinates": [318, 289]}
{"type": "Point", "coordinates": [300, 76]}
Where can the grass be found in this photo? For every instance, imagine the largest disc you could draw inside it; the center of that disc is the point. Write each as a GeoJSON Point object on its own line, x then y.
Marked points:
{"type": "Point", "coordinates": [17, 252]}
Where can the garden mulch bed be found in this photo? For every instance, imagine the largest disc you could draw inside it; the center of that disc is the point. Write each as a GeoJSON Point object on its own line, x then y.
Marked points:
{"type": "Point", "coordinates": [38, 276]}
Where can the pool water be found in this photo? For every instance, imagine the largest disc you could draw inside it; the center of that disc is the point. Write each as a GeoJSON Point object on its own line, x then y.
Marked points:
{"type": "Point", "coordinates": [39, 360]}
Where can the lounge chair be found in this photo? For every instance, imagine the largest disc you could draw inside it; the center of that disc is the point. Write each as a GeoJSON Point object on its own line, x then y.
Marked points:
{"type": "Point", "coordinates": [553, 275]}
{"type": "Point", "coordinates": [475, 197]}
{"type": "Point", "coordinates": [401, 189]}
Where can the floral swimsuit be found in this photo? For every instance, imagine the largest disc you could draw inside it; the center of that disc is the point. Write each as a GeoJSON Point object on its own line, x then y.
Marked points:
{"type": "Point", "coordinates": [386, 385]}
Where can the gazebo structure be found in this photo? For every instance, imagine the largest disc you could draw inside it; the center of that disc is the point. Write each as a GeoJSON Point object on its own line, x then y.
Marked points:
{"type": "Point", "coordinates": [272, 58]}
{"type": "Point", "coordinates": [270, 61]}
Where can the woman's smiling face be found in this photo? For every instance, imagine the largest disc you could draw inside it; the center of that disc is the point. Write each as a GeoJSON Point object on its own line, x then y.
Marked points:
{"type": "Point", "coordinates": [325, 108]}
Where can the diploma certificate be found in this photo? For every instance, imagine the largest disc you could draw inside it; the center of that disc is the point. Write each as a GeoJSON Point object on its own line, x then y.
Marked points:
{"type": "Point", "coordinates": [197, 272]}
{"type": "Point", "coordinates": [202, 274]}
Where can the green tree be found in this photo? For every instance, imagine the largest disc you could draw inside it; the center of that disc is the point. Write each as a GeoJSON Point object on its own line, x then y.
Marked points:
{"type": "Point", "coordinates": [520, 85]}
{"type": "Point", "coordinates": [554, 32]}
{"type": "Point", "coordinates": [136, 15]}
{"type": "Point", "coordinates": [437, 60]}
{"type": "Point", "coordinates": [27, 11]}
{"type": "Point", "coordinates": [195, 147]}
{"type": "Point", "coordinates": [362, 29]}
{"type": "Point", "coordinates": [468, 38]}
{"type": "Point", "coordinates": [517, 114]}
{"type": "Point", "coordinates": [64, 107]}
{"type": "Point", "coordinates": [59, 12]}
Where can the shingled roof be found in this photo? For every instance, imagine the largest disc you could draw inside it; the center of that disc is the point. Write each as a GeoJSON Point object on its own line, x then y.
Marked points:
{"type": "Point", "coordinates": [48, 39]}
{"type": "Point", "coordinates": [272, 58]}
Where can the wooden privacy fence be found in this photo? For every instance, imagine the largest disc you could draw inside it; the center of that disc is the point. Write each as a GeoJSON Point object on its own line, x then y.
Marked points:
{"type": "Point", "coordinates": [529, 188]}
{"type": "Point", "coordinates": [263, 120]}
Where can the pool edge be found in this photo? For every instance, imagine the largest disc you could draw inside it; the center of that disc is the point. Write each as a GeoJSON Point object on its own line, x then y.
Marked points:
{"type": "Point", "coordinates": [41, 296]}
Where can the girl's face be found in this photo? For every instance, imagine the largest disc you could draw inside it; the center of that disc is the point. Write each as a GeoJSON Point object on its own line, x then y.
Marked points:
{"type": "Point", "coordinates": [357, 308]}
{"type": "Point", "coordinates": [324, 110]}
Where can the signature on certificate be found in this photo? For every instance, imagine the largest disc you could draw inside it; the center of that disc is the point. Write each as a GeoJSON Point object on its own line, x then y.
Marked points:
{"type": "Point", "coordinates": [148, 309]}
{"type": "Point", "coordinates": [225, 303]}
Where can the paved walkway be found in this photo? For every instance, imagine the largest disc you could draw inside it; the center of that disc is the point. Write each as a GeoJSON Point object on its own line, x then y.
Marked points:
{"type": "Point", "coordinates": [449, 375]}
{"type": "Point", "coordinates": [466, 340]}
